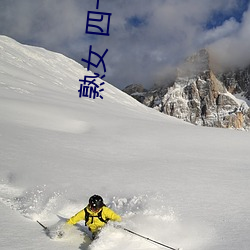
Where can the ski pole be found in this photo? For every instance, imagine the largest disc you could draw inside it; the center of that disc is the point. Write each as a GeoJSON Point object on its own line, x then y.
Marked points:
{"type": "Point", "coordinates": [146, 238]}
{"type": "Point", "coordinates": [45, 228]}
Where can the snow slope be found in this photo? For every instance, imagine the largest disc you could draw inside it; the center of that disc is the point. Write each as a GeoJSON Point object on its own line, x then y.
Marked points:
{"type": "Point", "coordinates": [176, 183]}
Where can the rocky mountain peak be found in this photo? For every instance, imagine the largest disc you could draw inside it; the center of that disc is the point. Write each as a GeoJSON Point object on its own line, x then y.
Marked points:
{"type": "Point", "coordinates": [196, 64]}
{"type": "Point", "coordinates": [202, 97]}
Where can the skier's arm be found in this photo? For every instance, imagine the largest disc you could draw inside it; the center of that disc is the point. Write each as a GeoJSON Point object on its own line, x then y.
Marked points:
{"type": "Point", "coordinates": [77, 217]}
{"type": "Point", "coordinates": [110, 214]}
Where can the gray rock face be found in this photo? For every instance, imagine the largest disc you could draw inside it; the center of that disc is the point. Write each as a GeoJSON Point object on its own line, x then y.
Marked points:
{"type": "Point", "coordinates": [201, 97]}
{"type": "Point", "coordinates": [237, 81]}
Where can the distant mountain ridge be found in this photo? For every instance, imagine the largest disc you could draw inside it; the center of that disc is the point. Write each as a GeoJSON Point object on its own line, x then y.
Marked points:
{"type": "Point", "coordinates": [202, 96]}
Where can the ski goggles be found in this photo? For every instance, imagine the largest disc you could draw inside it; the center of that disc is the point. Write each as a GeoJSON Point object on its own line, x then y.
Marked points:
{"type": "Point", "coordinates": [94, 208]}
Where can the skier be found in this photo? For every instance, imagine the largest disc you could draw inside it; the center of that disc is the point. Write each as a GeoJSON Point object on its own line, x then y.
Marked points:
{"type": "Point", "coordinates": [95, 214]}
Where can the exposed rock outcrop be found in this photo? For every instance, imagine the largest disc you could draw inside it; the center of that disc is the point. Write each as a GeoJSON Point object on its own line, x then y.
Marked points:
{"type": "Point", "coordinates": [201, 97]}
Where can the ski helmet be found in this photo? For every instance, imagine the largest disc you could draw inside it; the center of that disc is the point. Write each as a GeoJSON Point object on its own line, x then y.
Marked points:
{"type": "Point", "coordinates": [95, 202]}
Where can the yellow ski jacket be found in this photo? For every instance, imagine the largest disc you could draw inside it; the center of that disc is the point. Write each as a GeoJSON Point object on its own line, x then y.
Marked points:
{"type": "Point", "coordinates": [94, 223]}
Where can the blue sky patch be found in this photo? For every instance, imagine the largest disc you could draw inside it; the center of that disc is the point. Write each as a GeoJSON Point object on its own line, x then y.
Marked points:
{"type": "Point", "coordinates": [136, 21]}
{"type": "Point", "coordinates": [219, 17]}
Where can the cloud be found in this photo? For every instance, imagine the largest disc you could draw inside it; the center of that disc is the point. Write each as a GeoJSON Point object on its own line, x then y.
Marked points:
{"type": "Point", "coordinates": [228, 28]}
{"type": "Point", "coordinates": [147, 38]}
{"type": "Point", "coordinates": [233, 49]}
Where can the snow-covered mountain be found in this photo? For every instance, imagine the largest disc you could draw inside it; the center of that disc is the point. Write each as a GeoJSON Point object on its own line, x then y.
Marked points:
{"type": "Point", "coordinates": [202, 96]}
{"type": "Point", "coordinates": [182, 185]}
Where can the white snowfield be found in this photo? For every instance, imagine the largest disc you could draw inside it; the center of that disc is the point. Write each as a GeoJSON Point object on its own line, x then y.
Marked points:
{"type": "Point", "coordinates": [184, 186]}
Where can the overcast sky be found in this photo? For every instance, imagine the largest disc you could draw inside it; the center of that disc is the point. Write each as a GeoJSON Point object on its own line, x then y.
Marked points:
{"type": "Point", "coordinates": [147, 37]}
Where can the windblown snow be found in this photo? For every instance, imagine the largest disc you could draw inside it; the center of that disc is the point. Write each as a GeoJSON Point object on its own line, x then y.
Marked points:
{"type": "Point", "coordinates": [184, 186]}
